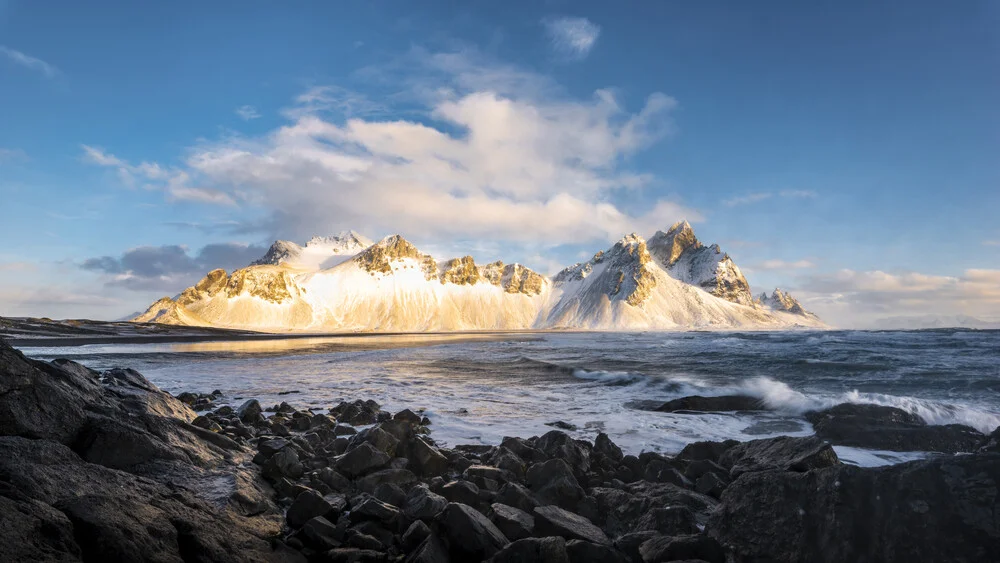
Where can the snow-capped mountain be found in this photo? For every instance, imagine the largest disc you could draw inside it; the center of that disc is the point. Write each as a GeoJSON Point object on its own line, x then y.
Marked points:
{"type": "Point", "coordinates": [343, 284]}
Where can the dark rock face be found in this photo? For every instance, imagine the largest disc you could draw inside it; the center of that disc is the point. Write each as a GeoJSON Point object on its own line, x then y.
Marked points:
{"type": "Point", "coordinates": [470, 535]}
{"type": "Point", "coordinates": [727, 403]}
{"type": "Point", "coordinates": [534, 550]}
{"type": "Point", "coordinates": [554, 521]}
{"type": "Point", "coordinates": [888, 428]}
{"type": "Point", "coordinates": [943, 509]}
{"type": "Point", "coordinates": [512, 522]}
{"type": "Point", "coordinates": [682, 548]}
{"type": "Point", "coordinates": [783, 452]}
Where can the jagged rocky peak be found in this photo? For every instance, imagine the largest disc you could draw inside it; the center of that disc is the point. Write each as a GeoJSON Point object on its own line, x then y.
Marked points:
{"type": "Point", "coordinates": [280, 251]}
{"type": "Point", "coordinates": [269, 284]}
{"type": "Point", "coordinates": [685, 258]}
{"type": "Point", "coordinates": [782, 301]}
{"type": "Point", "coordinates": [164, 310]}
{"type": "Point", "coordinates": [460, 271]}
{"type": "Point", "coordinates": [623, 270]}
{"type": "Point", "coordinates": [514, 278]}
{"type": "Point", "coordinates": [344, 241]}
{"type": "Point", "coordinates": [669, 246]}
{"type": "Point", "coordinates": [379, 257]}
{"type": "Point", "coordinates": [214, 282]}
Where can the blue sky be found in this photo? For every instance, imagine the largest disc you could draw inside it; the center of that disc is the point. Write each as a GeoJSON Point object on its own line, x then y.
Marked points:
{"type": "Point", "coordinates": [845, 150]}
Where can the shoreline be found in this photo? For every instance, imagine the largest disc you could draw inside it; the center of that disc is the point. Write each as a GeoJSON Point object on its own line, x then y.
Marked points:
{"type": "Point", "coordinates": [117, 469]}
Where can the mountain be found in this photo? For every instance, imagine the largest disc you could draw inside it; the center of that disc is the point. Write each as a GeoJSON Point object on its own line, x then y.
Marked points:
{"type": "Point", "coordinates": [341, 283]}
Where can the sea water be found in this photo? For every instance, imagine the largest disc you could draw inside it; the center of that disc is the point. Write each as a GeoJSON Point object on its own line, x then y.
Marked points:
{"type": "Point", "coordinates": [480, 388]}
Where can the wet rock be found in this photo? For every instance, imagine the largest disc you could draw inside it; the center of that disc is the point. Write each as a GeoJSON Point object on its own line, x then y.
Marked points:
{"type": "Point", "coordinates": [271, 446]}
{"type": "Point", "coordinates": [630, 543]}
{"type": "Point", "coordinates": [415, 535]}
{"type": "Point", "coordinates": [358, 413]}
{"type": "Point", "coordinates": [390, 493]}
{"type": "Point", "coordinates": [513, 522]}
{"type": "Point", "coordinates": [677, 548]}
{"type": "Point", "coordinates": [992, 444]}
{"type": "Point", "coordinates": [285, 463]}
{"type": "Point", "coordinates": [659, 471]}
{"type": "Point", "coordinates": [422, 504]}
{"type": "Point", "coordinates": [580, 551]}
{"type": "Point", "coordinates": [250, 412]}
{"type": "Point", "coordinates": [533, 550]}
{"type": "Point", "coordinates": [469, 534]}
{"type": "Point", "coordinates": [523, 449]}
{"type": "Point", "coordinates": [364, 458]}
{"type": "Point", "coordinates": [432, 550]}
{"type": "Point", "coordinates": [486, 477]}
{"type": "Point", "coordinates": [307, 505]}
{"type": "Point", "coordinates": [561, 425]}
{"type": "Point", "coordinates": [332, 479]}
{"type": "Point", "coordinates": [941, 509]}
{"type": "Point", "coordinates": [378, 438]}
{"type": "Point", "coordinates": [425, 459]}
{"type": "Point", "coordinates": [508, 461]}
{"type": "Point", "coordinates": [889, 428]}
{"type": "Point", "coordinates": [553, 482]}
{"type": "Point", "coordinates": [401, 477]}
{"type": "Point", "coordinates": [462, 492]}
{"type": "Point", "coordinates": [559, 445]}
{"type": "Point", "coordinates": [518, 496]}
{"type": "Point", "coordinates": [604, 446]}
{"type": "Point", "coordinates": [406, 415]}
{"type": "Point", "coordinates": [373, 509]}
{"type": "Point", "coordinates": [727, 403]}
{"type": "Point", "coordinates": [353, 555]}
{"type": "Point", "coordinates": [670, 520]}
{"type": "Point", "coordinates": [784, 453]}
{"type": "Point", "coordinates": [364, 541]}
{"type": "Point", "coordinates": [320, 534]}
{"type": "Point", "coordinates": [706, 450]}
{"type": "Point", "coordinates": [711, 484]}
{"type": "Point", "coordinates": [31, 528]}
{"type": "Point", "coordinates": [554, 521]}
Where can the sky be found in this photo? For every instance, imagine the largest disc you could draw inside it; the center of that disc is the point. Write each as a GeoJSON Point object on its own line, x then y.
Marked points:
{"type": "Point", "coordinates": [846, 151]}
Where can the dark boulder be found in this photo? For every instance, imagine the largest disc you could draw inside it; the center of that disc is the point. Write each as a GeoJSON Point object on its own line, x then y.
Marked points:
{"type": "Point", "coordinates": [580, 551]}
{"type": "Point", "coordinates": [784, 452]}
{"type": "Point", "coordinates": [554, 521]}
{"type": "Point", "coordinates": [604, 446]}
{"type": "Point", "coordinates": [462, 492]}
{"type": "Point", "coordinates": [680, 548]}
{"type": "Point", "coordinates": [553, 482]}
{"type": "Point", "coordinates": [415, 535]}
{"type": "Point", "coordinates": [470, 535]}
{"type": "Point", "coordinates": [705, 450]}
{"type": "Point", "coordinates": [726, 403]}
{"type": "Point", "coordinates": [513, 522]}
{"type": "Point", "coordinates": [364, 458]}
{"type": "Point", "coordinates": [533, 550]}
{"type": "Point", "coordinates": [307, 505]}
{"type": "Point", "coordinates": [941, 509]}
{"type": "Point", "coordinates": [250, 411]}
{"type": "Point", "coordinates": [422, 504]}
{"type": "Point", "coordinates": [518, 496]}
{"type": "Point", "coordinates": [889, 428]}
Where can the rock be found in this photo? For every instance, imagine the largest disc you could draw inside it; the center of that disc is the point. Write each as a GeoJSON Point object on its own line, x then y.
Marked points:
{"type": "Point", "coordinates": [677, 548]}
{"type": "Point", "coordinates": [727, 403]}
{"type": "Point", "coordinates": [706, 450]}
{"type": "Point", "coordinates": [533, 550]}
{"type": "Point", "coordinates": [523, 449]}
{"type": "Point", "coordinates": [364, 458]}
{"type": "Point", "coordinates": [783, 452]}
{"type": "Point", "coordinates": [553, 482]}
{"type": "Point", "coordinates": [556, 444]}
{"type": "Point", "coordinates": [659, 471]}
{"type": "Point", "coordinates": [250, 412]}
{"type": "Point", "coordinates": [31, 528]}
{"type": "Point", "coordinates": [353, 555]}
{"type": "Point", "coordinates": [358, 413]}
{"type": "Point", "coordinates": [516, 495]}
{"type": "Point", "coordinates": [432, 550]}
{"type": "Point", "coordinates": [415, 535]}
{"type": "Point", "coordinates": [486, 477]}
{"type": "Point", "coordinates": [470, 534]}
{"type": "Point", "coordinates": [406, 415]}
{"type": "Point", "coordinates": [422, 504]}
{"type": "Point", "coordinates": [424, 458]}
{"type": "Point", "coordinates": [604, 446]}
{"type": "Point", "coordinates": [940, 509]}
{"type": "Point", "coordinates": [513, 522]}
{"type": "Point", "coordinates": [992, 444]}
{"type": "Point", "coordinates": [307, 505]}
{"type": "Point", "coordinates": [508, 461]}
{"type": "Point", "coordinates": [580, 551]}
{"type": "Point", "coordinates": [332, 479]}
{"type": "Point", "coordinates": [320, 534]}
{"type": "Point", "coordinates": [400, 477]}
{"type": "Point", "coordinates": [554, 521]}
{"type": "Point", "coordinates": [711, 484]}
{"type": "Point", "coordinates": [271, 446]}
{"type": "Point", "coordinates": [462, 492]}
{"type": "Point", "coordinates": [373, 509]}
{"type": "Point", "coordinates": [630, 543]}
{"type": "Point", "coordinates": [561, 425]}
{"type": "Point", "coordinates": [670, 521]}
{"type": "Point", "coordinates": [888, 428]}
{"type": "Point", "coordinates": [378, 438]}
{"type": "Point", "coordinates": [390, 493]}
{"type": "Point", "coordinates": [285, 463]}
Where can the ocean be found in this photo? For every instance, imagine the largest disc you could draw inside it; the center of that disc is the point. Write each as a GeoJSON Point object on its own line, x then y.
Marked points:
{"type": "Point", "coordinates": [480, 388]}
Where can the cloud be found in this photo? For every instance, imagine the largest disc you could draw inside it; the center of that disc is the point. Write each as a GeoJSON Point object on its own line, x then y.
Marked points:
{"type": "Point", "coordinates": [853, 298]}
{"type": "Point", "coordinates": [494, 153]}
{"type": "Point", "coordinates": [247, 113]}
{"type": "Point", "coordinates": [29, 62]}
{"type": "Point", "coordinates": [174, 182]}
{"type": "Point", "coordinates": [991, 243]}
{"type": "Point", "coordinates": [169, 267]}
{"type": "Point", "coordinates": [12, 155]}
{"type": "Point", "coordinates": [783, 265]}
{"type": "Point", "coordinates": [572, 37]}
{"type": "Point", "coordinates": [762, 196]}
{"type": "Point", "coordinates": [18, 267]}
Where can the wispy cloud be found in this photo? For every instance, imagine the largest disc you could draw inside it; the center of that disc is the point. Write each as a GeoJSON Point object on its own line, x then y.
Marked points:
{"type": "Point", "coordinates": [572, 37]}
{"type": "Point", "coordinates": [784, 265]}
{"type": "Point", "coordinates": [991, 243]}
{"type": "Point", "coordinates": [763, 196]}
{"type": "Point", "coordinates": [247, 113]}
{"type": "Point", "coordinates": [12, 155]}
{"type": "Point", "coordinates": [29, 62]}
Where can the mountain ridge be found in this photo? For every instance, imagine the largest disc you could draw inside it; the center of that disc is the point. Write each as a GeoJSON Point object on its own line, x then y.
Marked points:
{"type": "Point", "coordinates": [340, 283]}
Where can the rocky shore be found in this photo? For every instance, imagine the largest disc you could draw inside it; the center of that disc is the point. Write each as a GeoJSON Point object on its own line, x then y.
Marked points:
{"type": "Point", "coordinates": [106, 467]}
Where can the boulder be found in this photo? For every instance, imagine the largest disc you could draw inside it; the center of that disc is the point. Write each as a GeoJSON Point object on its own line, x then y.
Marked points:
{"type": "Point", "coordinates": [553, 482]}
{"type": "Point", "coordinates": [513, 522]}
{"type": "Point", "coordinates": [554, 521]}
{"type": "Point", "coordinates": [469, 534]}
{"type": "Point", "coordinates": [250, 411]}
{"type": "Point", "coordinates": [363, 458]}
{"type": "Point", "coordinates": [415, 535]}
{"type": "Point", "coordinates": [705, 450]}
{"type": "Point", "coordinates": [518, 496]}
{"type": "Point", "coordinates": [401, 477]}
{"type": "Point", "coordinates": [889, 428]}
{"type": "Point", "coordinates": [432, 550]}
{"type": "Point", "coordinates": [425, 459]}
{"type": "Point", "coordinates": [726, 403]}
{"type": "Point", "coordinates": [462, 492]}
{"type": "Point", "coordinates": [784, 453]}
{"type": "Point", "coordinates": [580, 551]}
{"type": "Point", "coordinates": [306, 506]}
{"type": "Point", "coordinates": [682, 548]}
{"type": "Point", "coordinates": [940, 509]}
{"type": "Point", "coordinates": [533, 550]}
{"type": "Point", "coordinates": [320, 534]}
{"type": "Point", "coordinates": [604, 446]}
{"type": "Point", "coordinates": [422, 504]}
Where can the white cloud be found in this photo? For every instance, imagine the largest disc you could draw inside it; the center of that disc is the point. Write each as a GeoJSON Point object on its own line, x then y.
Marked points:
{"type": "Point", "coordinates": [991, 243]}
{"type": "Point", "coordinates": [784, 265]}
{"type": "Point", "coordinates": [495, 156]}
{"type": "Point", "coordinates": [247, 113]}
{"type": "Point", "coordinates": [572, 37]}
{"type": "Point", "coordinates": [762, 196]}
{"type": "Point", "coordinates": [175, 183]}
{"type": "Point", "coordinates": [19, 58]}
{"type": "Point", "coordinates": [852, 298]}
{"type": "Point", "coordinates": [12, 155]}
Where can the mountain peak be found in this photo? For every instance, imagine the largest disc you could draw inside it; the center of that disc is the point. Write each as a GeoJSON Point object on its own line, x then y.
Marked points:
{"type": "Point", "coordinates": [378, 257]}
{"type": "Point", "coordinates": [669, 246]}
{"type": "Point", "coordinates": [782, 301]}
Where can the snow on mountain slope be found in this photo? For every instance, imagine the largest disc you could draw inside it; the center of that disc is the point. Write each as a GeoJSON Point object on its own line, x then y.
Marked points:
{"type": "Point", "coordinates": [390, 286]}
{"type": "Point", "coordinates": [683, 256]}
{"type": "Point", "coordinates": [317, 254]}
